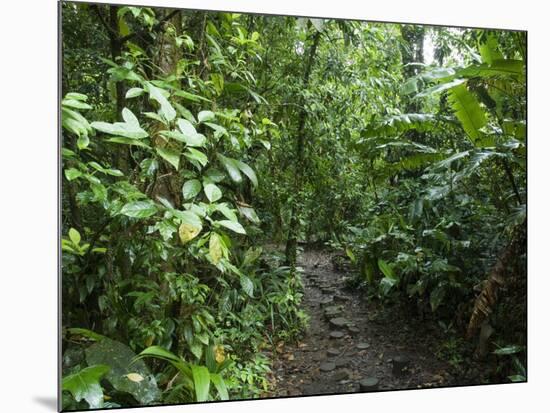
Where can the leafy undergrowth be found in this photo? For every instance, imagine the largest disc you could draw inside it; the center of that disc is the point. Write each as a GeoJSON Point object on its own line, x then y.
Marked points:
{"type": "Point", "coordinates": [192, 140]}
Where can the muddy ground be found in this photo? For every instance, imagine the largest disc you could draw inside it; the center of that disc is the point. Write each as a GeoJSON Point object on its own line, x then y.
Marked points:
{"type": "Point", "coordinates": [354, 345]}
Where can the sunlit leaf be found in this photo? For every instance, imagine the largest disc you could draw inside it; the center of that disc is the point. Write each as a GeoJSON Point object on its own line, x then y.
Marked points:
{"type": "Point", "coordinates": [233, 226]}
{"type": "Point", "coordinates": [187, 232]}
{"type": "Point", "coordinates": [166, 109]}
{"type": "Point", "coordinates": [139, 209]}
{"type": "Point", "coordinates": [170, 155]}
{"type": "Point", "coordinates": [191, 188]}
{"type": "Point", "coordinates": [212, 191]}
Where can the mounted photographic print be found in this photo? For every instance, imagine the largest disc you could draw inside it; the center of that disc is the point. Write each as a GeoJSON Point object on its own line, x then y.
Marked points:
{"type": "Point", "coordinates": [262, 206]}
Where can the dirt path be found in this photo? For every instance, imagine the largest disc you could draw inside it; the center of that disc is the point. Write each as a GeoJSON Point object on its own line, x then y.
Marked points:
{"type": "Point", "coordinates": [368, 341]}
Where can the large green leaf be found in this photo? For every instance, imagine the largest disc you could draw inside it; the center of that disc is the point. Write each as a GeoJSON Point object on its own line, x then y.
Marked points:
{"type": "Point", "coordinates": [227, 212]}
{"type": "Point", "coordinates": [249, 213]}
{"type": "Point", "coordinates": [440, 88]}
{"type": "Point", "coordinates": [386, 284]}
{"type": "Point", "coordinates": [191, 188]}
{"type": "Point", "coordinates": [189, 134]}
{"type": "Point", "coordinates": [397, 124]}
{"type": "Point", "coordinates": [186, 127]}
{"type": "Point", "coordinates": [139, 209]}
{"type": "Point", "coordinates": [134, 92]}
{"type": "Point", "coordinates": [159, 352]}
{"type": "Point", "coordinates": [166, 109]}
{"type": "Point", "coordinates": [197, 156]}
{"type": "Point", "coordinates": [489, 49]}
{"type": "Point", "coordinates": [75, 104]}
{"type": "Point", "coordinates": [171, 156]}
{"type": "Point", "coordinates": [85, 385]}
{"type": "Point", "coordinates": [128, 141]}
{"type": "Point", "coordinates": [212, 191]}
{"type": "Point", "coordinates": [188, 217]}
{"type": "Point", "coordinates": [445, 163]}
{"type": "Point", "coordinates": [233, 226]}
{"type": "Point", "coordinates": [248, 171]}
{"type": "Point", "coordinates": [74, 236]}
{"type": "Point", "coordinates": [128, 129]}
{"type": "Point", "coordinates": [86, 333]}
{"type": "Point", "coordinates": [506, 351]}
{"type": "Point", "coordinates": [232, 168]}
{"type": "Point", "coordinates": [219, 383]}
{"type": "Point", "coordinates": [163, 354]}
{"type": "Point", "coordinates": [386, 269]}
{"type": "Point", "coordinates": [126, 374]}
{"type": "Point", "coordinates": [500, 67]}
{"type": "Point", "coordinates": [468, 111]}
{"type": "Point", "coordinates": [190, 96]}
{"type": "Point", "coordinates": [201, 381]}
{"type": "Point", "coordinates": [205, 116]}
{"type": "Point", "coordinates": [247, 285]}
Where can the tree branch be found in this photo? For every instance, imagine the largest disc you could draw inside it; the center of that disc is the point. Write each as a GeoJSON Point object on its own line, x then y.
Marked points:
{"type": "Point", "coordinates": [155, 28]}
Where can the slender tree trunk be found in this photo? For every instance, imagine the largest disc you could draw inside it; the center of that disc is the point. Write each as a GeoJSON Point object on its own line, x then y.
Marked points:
{"type": "Point", "coordinates": [292, 239]}
{"type": "Point", "coordinates": [116, 52]}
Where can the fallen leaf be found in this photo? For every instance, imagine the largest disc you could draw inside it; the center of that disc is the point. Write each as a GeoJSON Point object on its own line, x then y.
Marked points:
{"type": "Point", "coordinates": [135, 377]}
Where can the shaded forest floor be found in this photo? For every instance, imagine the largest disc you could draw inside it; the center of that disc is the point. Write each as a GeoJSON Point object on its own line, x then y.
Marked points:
{"type": "Point", "coordinates": [368, 341]}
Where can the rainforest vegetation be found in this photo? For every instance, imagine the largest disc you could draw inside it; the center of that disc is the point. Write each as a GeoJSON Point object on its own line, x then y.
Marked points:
{"type": "Point", "coordinates": [253, 204]}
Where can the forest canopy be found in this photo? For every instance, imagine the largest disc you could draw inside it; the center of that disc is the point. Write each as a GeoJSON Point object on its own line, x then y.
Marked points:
{"type": "Point", "coordinates": [216, 166]}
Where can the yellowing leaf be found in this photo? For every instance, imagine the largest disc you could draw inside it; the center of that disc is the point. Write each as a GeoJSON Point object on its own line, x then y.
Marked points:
{"type": "Point", "coordinates": [220, 354]}
{"type": "Point", "coordinates": [135, 377]}
{"type": "Point", "coordinates": [215, 247]}
{"type": "Point", "coordinates": [188, 232]}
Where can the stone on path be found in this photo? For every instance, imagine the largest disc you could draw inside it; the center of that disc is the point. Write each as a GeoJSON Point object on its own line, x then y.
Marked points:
{"type": "Point", "coordinates": [326, 301]}
{"type": "Point", "coordinates": [333, 352]}
{"type": "Point", "coordinates": [317, 356]}
{"type": "Point", "coordinates": [400, 365]}
{"type": "Point", "coordinates": [341, 362]}
{"type": "Point", "coordinates": [333, 311]}
{"type": "Point", "coordinates": [341, 375]}
{"type": "Point", "coordinates": [327, 366]}
{"type": "Point", "coordinates": [363, 346]}
{"type": "Point", "coordinates": [353, 330]}
{"type": "Point", "coordinates": [338, 322]}
{"type": "Point", "coordinates": [341, 298]}
{"type": "Point", "coordinates": [368, 384]}
{"type": "Point", "coordinates": [336, 334]}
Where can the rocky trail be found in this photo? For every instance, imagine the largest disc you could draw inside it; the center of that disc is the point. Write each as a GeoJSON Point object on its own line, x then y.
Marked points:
{"type": "Point", "coordinates": [353, 345]}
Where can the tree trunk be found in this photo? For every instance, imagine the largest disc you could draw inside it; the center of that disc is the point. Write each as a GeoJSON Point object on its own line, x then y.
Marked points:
{"type": "Point", "coordinates": [291, 244]}
{"type": "Point", "coordinates": [497, 278]}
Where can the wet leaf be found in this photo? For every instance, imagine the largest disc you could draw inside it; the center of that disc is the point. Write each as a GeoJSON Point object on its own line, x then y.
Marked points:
{"type": "Point", "coordinates": [85, 384]}
{"type": "Point", "coordinates": [213, 192]}
{"type": "Point", "coordinates": [139, 209]}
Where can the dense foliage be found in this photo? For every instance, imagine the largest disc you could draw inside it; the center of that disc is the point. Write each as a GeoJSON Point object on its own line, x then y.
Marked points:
{"type": "Point", "coordinates": [195, 143]}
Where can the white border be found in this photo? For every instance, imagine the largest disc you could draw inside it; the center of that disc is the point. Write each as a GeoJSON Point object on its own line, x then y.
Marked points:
{"type": "Point", "coordinates": [29, 203]}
